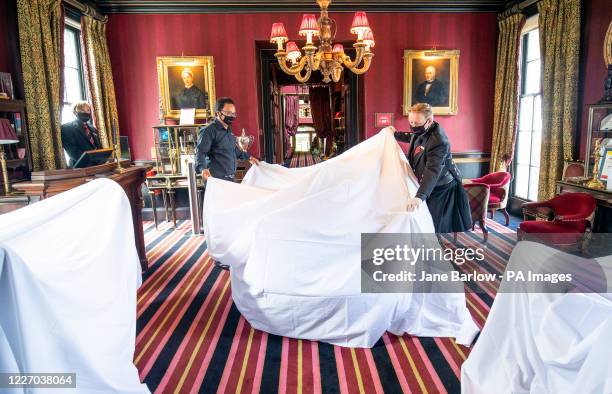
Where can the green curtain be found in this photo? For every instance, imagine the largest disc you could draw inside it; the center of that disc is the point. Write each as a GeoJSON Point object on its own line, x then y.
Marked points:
{"type": "Point", "coordinates": [505, 107]}
{"type": "Point", "coordinates": [100, 79]}
{"type": "Point", "coordinates": [559, 24]}
{"type": "Point", "coordinates": [41, 25]}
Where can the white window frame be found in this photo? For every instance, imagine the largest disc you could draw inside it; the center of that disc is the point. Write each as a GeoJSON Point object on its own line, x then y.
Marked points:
{"type": "Point", "coordinates": [530, 24]}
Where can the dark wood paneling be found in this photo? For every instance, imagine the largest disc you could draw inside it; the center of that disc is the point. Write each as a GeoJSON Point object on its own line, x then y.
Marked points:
{"type": "Point", "coordinates": [216, 6]}
{"type": "Point", "coordinates": [472, 164]}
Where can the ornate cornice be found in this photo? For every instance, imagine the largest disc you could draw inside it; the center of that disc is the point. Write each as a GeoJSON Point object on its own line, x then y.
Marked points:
{"type": "Point", "coordinates": [228, 6]}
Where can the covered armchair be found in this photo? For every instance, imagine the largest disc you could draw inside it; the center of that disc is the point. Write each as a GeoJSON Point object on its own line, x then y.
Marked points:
{"type": "Point", "coordinates": [499, 185]}
{"type": "Point", "coordinates": [572, 214]}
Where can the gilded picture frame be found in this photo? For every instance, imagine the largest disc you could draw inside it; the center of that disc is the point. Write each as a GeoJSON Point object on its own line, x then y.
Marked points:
{"type": "Point", "coordinates": [432, 77]}
{"type": "Point", "coordinates": [607, 47]}
{"type": "Point", "coordinates": [186, 82]}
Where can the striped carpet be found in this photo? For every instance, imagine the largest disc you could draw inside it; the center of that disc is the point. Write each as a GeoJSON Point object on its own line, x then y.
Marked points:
{"type": "Point", "coordinates": [191, 338]}
{"type": "Point", "coordinates": [303, 159]}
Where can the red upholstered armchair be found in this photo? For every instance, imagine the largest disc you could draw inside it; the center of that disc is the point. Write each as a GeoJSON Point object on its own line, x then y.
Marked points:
{"type": "Point", "coordinates": [573, 218]}
{"type": "Point", "coordinates": [499, 184]}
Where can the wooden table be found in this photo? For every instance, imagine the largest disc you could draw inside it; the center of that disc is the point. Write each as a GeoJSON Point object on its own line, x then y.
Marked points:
{"type": "Point", "coordinates": [49, 183]}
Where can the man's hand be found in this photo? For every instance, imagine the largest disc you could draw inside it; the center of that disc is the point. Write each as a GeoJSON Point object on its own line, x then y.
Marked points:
{"type": "Point", "coordinates": [206, 174]}
{"type": "Point", "coordinates": [253, 160]}
{"type": "Point", "coordinates": [413, 204]}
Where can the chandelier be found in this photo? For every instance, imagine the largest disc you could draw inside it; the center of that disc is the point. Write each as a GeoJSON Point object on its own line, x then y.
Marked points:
{"type": "Point", "coordinates": [328, 58]}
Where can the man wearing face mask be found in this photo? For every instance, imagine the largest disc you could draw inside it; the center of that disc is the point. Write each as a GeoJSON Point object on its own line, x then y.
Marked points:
{"type": "Point", "coordinates": [439, 178]}
{"type": "Point", "coordinates": [218, 143]}
{"type": "Point", "coordinates": [80, 135]}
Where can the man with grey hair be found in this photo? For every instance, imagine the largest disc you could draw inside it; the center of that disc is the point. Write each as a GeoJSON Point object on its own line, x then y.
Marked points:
{"type": "Point", "coordinates": [432, 91]}
{"type": "Point", "coordinates": [80, 135]}
{"type": "Point", "coordinates": [439, 178]}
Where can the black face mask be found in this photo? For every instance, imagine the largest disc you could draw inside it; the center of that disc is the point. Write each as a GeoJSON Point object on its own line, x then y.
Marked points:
{"type": "Point", "coordinates": [228, 119]}
{"type": "Point", "coordinates": [421, 129]}
{"type": "Point", "coordinates": [418, 129]}
{"type": "Point", "coordinates": [84, 116]}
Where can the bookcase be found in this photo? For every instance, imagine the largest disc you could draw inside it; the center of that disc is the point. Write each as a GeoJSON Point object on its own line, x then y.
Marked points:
{"type": "Point", "coordinates": [18, 158]}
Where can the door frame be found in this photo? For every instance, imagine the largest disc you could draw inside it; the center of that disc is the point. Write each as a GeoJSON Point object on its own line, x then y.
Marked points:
{"type": "Point", "coordinates": [353, 103]}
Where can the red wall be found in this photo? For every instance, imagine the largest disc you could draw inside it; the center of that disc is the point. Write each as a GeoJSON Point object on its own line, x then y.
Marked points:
{"type": "Point", "coordinates": [136, 40]}
{"type": "Point", "coordinates": [598, 15]}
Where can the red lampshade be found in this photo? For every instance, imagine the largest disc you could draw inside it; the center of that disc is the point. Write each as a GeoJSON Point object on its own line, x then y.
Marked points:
{"type": "Point", "coordinates": [7, 133]}
{"type": "Point", "coordinates": [368, 39]}
{"type": "Point", "coordinates": [309, 25]}
{"type": "Point", "coordinates": [360, 23]}
{"type": "Point", "coordinates": [293, 52]}
{"type": "Point", "coordinates": [278, 33]}
{"type": "Point", "coordinates": [338, 48]}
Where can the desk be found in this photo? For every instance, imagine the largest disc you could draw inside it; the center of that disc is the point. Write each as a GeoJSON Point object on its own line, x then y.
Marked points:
{"type": "Point", "coordinates": [49, 183]}
{"type": "Point", "coordinates": [604, 202]}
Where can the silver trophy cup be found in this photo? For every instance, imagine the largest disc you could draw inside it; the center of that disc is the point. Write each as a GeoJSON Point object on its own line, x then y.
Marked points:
{"type": "Point", "coordinates": [244, 141]}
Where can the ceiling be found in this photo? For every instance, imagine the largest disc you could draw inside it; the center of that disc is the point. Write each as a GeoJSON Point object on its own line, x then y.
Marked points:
{"type": "Point", "coordinates": [229, 6]}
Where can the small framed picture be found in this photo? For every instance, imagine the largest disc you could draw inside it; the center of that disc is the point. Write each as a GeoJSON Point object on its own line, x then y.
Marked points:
{"type": "Point", "coordinates": [605, 164]}
{"type": "Point", "coordinates": [6, 85]}
{"type": "Point", "coordinates": [383, 119]}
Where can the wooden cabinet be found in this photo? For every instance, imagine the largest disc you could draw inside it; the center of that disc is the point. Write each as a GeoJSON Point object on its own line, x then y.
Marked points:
{"type": "Point", "coordinates": [600, 127]}
{"type": "Point", "coordinates": [18, 158]}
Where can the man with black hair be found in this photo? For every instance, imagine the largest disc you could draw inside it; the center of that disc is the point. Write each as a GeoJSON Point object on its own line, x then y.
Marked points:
{"type": "Point", "coordinates": [218, 143]}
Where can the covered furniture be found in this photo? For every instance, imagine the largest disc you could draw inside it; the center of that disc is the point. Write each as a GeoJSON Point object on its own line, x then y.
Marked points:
{"type": "Point", "coordinates": [478, 196]}
{"type": "Point", "coordinates": [293, 240]}
{"type": "Point", "coordinates": [48, 183]}
{"type": "Point", "coordinates": [572, 218]}
{"type": "Point", "coordinates": [69, 272]}
{"type": "Point", "coordinates": [499, 185]}
{"type": "Point", "coordinates": [543, 338]}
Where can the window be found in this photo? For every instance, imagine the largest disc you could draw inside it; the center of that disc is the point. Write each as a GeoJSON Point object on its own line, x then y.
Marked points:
{"type": "Point", "coordinates": [74, 86]}
{"type": "Point", "coordinates": [527, 152]}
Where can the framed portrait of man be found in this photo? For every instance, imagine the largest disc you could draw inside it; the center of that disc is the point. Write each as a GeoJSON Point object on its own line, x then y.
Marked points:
{"type": "Point", "coordinates": [186, 82]}
{"type": "Point", "coordinates": [431, 77]}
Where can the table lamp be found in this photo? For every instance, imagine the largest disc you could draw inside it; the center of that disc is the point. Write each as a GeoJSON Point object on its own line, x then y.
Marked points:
{"type": "Point", "coordinates": [7, 136]}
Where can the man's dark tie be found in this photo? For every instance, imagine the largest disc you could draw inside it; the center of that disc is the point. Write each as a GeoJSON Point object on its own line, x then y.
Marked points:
{"type": "Point", "coordinates": [89, 135]}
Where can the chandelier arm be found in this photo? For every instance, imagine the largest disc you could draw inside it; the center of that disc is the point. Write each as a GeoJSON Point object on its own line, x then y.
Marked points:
{"type": "Point", "coordinates": [313, 59]}
{"type": "Point", "coordinates": [358, 58]}
{"type": "Point", "coordinates": [294, 69]}
{"type": "Point", "coordinates": [304, 78]}
{"type": "Point", "coordinates": [367, 60]}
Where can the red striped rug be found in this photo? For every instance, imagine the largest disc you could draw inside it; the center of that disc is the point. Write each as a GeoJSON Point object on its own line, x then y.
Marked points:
{"type": "Point", "coordinates": [191, 338]}
{"type": "Point", "coordinates": [303, 159]}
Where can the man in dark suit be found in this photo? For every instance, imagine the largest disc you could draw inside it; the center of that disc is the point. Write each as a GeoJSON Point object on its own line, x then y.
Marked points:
{"type": "Point", "coordinates": [439, 179]}
{"type": "Point", "coordinates": [432, 91]}
{"type": "Point", "coordinates": [80, 135]}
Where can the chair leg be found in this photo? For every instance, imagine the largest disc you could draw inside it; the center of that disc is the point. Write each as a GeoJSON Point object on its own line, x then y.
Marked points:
{"type": "Point", "coordinates": [506, 216]}
{"type": "Point", "coordinates": [491, 213]}
{"type": "Point", "coordinates": [485, 231]}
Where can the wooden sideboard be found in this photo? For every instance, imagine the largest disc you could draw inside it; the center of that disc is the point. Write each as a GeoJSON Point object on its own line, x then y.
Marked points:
{"type": "Point", "coordinates": [49, 183]}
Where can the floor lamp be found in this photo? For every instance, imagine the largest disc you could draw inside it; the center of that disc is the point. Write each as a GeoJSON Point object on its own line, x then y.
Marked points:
{"type": "Point", "coordinates": [7, 136]}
